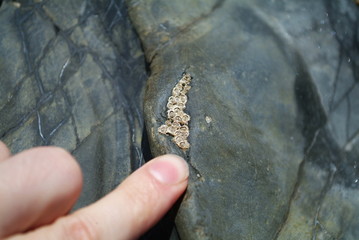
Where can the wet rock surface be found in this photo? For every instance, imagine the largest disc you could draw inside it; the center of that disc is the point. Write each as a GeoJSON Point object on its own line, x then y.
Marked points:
{"type": "Point", "coordinates": [274, 104]}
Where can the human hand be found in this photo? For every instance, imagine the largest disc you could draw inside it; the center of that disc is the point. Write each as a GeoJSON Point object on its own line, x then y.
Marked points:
{"type": "Point", "coordinates": [39, 186]}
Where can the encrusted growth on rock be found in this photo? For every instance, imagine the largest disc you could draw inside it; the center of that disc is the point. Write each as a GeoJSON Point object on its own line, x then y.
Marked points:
{"type": "Point", "coordinates": [177, 120]}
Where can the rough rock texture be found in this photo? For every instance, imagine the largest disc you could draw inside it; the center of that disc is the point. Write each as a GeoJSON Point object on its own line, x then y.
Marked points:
{"type": "Point", "coordinates": [274, 104]}
{"type": "Point", "coordinates": [72, 75]}
{"type": "Point", "coordinates": [274, 114]}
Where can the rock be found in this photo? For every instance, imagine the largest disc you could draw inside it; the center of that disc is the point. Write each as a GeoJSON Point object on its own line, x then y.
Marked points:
{"type": "Point", "coordinates": [72, 75]}
{"type": "Point", "coordinates": [278, 152]}
{"type": "Point", "coordinates": [274, 119]}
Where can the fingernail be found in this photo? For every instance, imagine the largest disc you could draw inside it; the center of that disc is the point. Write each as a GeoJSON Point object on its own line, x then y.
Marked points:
{"type": "Point", "coordinates": [169, 169]}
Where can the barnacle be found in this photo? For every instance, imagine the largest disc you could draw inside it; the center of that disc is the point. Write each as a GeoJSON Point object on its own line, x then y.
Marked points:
{"type": "Point", "coordinates": [176, 124]}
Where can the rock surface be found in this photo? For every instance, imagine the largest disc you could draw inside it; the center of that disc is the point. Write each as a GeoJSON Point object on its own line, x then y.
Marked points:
{"type": "Point", "coordinates": [274, 123]}
{"type": "Point", "coordinates": [274, 104]}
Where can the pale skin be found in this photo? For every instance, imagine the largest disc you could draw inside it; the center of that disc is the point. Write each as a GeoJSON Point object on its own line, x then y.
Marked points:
{"type": "Point", "coordinates": [38, 187]}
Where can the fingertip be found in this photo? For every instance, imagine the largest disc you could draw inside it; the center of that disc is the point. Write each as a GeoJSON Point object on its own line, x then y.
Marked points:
{"type": "Point", "coordinates": [169, 169]}
{"type": "Point", "coordinates": [151, 191]}
{"type": "Point", "coordinates": [61, 165]}
{"type": "Point", "coordinates": [45, 182]}
{"type": "Point", "coordinates": [135, 206]}
{"type": "Point", "coordinates": [63, 186]}
{"type": "Point", "coordinates": [67, 166]}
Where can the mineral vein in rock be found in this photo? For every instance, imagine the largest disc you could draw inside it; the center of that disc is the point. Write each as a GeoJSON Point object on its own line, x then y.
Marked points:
{"type": "Point", "coordinates": [176, 124]}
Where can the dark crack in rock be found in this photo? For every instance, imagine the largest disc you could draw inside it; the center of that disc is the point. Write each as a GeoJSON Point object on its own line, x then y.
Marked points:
{"type": "Point", "coordinates": [72, 75]}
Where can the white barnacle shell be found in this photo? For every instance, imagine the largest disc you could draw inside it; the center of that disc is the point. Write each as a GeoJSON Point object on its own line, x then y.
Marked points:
{"type": "Point", "coordinates": [176, 124]}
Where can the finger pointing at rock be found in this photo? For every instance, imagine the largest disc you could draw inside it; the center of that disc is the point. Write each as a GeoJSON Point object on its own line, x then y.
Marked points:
{"type": "Point", "coordinates": [127, 212]}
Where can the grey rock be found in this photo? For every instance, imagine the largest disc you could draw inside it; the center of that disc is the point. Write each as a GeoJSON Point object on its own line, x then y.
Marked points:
{"type": "Point", "coordinates": [280, 151]}
{"type": "Point", "coordinates": [274, 104]}
{"type": "Point", "coordinates": [72, 75]}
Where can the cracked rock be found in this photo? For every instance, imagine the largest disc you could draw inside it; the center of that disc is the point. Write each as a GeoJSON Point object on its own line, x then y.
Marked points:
{"type": "Point", "coordinates": [65, 69]}
{"type": "Point", "coordinates": [274, 127]}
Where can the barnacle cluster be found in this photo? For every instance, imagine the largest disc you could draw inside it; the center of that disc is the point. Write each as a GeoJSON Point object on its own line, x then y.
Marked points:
{"type": "Point", "coordinates": [176, 124]}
